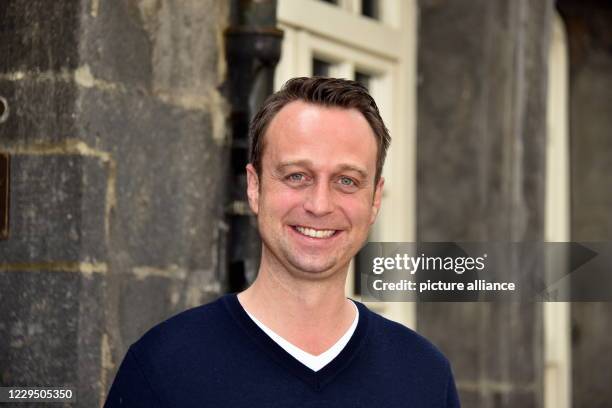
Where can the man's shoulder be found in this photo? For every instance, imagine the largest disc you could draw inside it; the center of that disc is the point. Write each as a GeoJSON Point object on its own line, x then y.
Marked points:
{"type": "Point", "coordinates": [185, 330]}
{"type": "Point", "coordinates": [402, 342]}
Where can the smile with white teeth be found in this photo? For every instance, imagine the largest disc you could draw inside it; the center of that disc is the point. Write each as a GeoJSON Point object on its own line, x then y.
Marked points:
{"type": "Point", "coordinates": [313, 233]}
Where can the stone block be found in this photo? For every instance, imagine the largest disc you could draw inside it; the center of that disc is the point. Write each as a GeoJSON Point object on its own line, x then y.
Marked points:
{"type": "Point", "coordinates": [41, 110]}
{"type": "Point", "coordinates": [39, 35]}
{"type": "Point", "coordinates": [57, 209]}
{"type": "Point", "coordinates": [114, 43]}
{"type": "Point", "coordinates": [49, 333]}
{"type": "Point", "coordinates": [158, 46]}
{"type": "Point", "coordinates": [169, 179]}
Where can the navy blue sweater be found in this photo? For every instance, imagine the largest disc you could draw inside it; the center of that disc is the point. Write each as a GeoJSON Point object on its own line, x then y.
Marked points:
{"type": "Point", "coordinates": [216, 356]}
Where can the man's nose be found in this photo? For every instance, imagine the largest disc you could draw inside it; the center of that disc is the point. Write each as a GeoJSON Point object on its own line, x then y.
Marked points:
{"type": "Point", "coordinates": [319, 200]}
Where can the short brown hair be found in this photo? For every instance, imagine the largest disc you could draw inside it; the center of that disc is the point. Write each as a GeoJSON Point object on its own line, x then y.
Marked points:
{"type": "Point", "coordinates": [329, 92]}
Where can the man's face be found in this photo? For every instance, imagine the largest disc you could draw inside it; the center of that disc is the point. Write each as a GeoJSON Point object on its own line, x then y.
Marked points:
{"type": "Point", "coordinates": [315, 200]}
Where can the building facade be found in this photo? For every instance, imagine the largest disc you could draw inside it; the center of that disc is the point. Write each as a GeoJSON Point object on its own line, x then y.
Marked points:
{"type": "Point", "coordinates": [124, 124]}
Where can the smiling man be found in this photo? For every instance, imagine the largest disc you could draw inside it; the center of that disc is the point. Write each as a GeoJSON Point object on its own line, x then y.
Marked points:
{"type": "Point", "coordinates": [293, 339]}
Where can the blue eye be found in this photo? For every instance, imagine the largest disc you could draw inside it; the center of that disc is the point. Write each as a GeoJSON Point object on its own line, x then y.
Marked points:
{"type": "Point", "coordinates": [295, 177]}
{"type": "Point", "coordinates": [345, 181]}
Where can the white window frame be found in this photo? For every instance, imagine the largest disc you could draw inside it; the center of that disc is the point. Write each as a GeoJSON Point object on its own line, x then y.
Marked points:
{"type": "Point", "coordinates": [385, 49]}
{"type": "Point", "coordinates": [557, 336]}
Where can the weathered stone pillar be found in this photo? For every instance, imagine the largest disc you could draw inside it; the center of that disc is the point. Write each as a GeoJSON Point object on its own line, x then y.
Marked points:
{"type": "Point", "coordinates": [117, 136]}
{"type": "Point", "coordinates": [481, 160]}
{"type": "Point", "coordinates": [589, 34]}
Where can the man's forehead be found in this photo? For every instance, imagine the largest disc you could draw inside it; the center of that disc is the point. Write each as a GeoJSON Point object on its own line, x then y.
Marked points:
{"type": "Point", "coordinates": [304, 131]}
{"type": "Point", "coordinates": [307, 122]}
{"type": "Point", "coordinates": [307, 111]}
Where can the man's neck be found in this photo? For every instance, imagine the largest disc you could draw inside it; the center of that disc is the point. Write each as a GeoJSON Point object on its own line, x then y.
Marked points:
{"type": "Point", "coordinates": [310, 314]}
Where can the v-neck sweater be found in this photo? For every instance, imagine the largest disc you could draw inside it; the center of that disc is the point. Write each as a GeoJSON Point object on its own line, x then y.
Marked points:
{"type": "Point", "coordinates": [314, 362]}
{"type": "Point", "coordinates": [216, 356]}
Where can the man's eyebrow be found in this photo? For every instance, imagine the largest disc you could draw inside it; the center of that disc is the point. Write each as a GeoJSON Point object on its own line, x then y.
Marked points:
{"type": "Point", "coordinates": [307, 163]}
{"type": "Point", "coordinates": [349, 167]}
{"type": "Point", "coordinates": [304, 163]}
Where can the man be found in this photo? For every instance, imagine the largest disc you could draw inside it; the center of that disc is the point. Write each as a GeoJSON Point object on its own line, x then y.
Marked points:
{"type": "Point", "coordinates": [293, 339]}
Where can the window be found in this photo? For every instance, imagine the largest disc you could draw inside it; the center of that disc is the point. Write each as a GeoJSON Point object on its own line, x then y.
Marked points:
{"type": "Point", "coordinates": [320, 67]}
{"type": "Point", "coordinates": [363, 79]}
{"type": "Point", "coordinates": [369, 8]}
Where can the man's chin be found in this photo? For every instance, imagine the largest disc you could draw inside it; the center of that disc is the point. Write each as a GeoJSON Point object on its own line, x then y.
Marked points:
{"type": "Point", "coordinates": [316, 270]}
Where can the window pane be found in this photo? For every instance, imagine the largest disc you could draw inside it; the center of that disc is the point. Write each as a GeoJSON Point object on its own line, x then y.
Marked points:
{"type": "Point", "coordinates": [320, 67]}
{"type": "Point", "coordinates": [370, 8]}
{"type": "Point", "coordinates": [363, 79]}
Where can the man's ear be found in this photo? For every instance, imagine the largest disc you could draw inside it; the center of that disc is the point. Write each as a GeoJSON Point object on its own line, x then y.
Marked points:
{"type": "Point", "coordinates": [377, 199]}
{"type": "Point", "coordinates": [253, 188]}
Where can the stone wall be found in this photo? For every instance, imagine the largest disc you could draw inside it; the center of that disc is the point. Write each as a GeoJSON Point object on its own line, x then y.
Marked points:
{"type": "Point", "coordinates": [117, 136]}
{"type": "Point", "coordinates": [482, 69]}
{"type": "Point", "coordinates": [589, 33]}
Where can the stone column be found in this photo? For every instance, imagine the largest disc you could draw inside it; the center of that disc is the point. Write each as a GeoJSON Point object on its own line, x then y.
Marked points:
{"type": "Point", "coordinates": [117, 136]}
{"type": "Point", "coordinates": [589, 34]}
{"type": "Point", "coordinates": [481, 159]}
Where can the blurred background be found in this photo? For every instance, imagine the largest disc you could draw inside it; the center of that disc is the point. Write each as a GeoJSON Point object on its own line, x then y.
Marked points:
{"type": "Point", "coordinates": [123, 143]}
